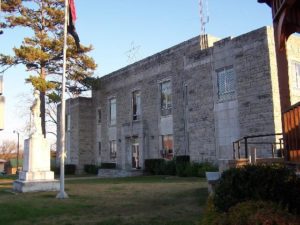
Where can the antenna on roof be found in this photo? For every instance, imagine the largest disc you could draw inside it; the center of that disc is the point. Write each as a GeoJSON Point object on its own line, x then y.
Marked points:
{"type": "Point", "coordinates": [204, 19]}
{"type": "Point", "coordinates": [204, 16]}
{"type": "Point", "coordinates": [132, 53]}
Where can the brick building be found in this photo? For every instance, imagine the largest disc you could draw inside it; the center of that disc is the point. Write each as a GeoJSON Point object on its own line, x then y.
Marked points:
{"type": "Point", "coordinates": [186, 100]}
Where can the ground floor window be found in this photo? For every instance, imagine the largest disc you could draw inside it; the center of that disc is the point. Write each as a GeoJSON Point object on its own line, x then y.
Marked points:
{"type": "Point", "coordinates": [113, 149]}
{"type": "Point", "coordinates": [167, 151]}
{"type": "Point", "coordinates": [135, 153]}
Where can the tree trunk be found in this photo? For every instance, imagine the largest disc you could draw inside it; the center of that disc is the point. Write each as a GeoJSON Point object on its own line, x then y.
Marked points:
{"type": "Point", "coordinates": [43, 104]}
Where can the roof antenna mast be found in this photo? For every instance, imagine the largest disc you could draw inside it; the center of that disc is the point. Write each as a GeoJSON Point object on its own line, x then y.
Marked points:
{"type": "Point", "coordinates": [204, 19]}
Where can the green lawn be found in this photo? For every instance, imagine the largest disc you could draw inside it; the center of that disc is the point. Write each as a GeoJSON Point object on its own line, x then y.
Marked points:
{"type": "Point", "coordinates": [123, 201]}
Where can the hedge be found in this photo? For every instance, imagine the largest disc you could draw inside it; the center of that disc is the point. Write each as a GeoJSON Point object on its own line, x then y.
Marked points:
{"type": "Point", "coordinates": [91, 169]}
{"type": "Point", "coordinates": [249, 213]}
{"type": "Point", "coordinates": [108, 166]}
{"type": "Point", "coordinates": [180, 167]}
{"type": "Point", "coordinates": [260, 183]}
{"type": "Point", "coordinates": [69, 169]}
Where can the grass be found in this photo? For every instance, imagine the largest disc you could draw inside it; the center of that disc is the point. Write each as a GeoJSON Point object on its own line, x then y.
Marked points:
{"type": "Point", "coordinates": [124, 201]}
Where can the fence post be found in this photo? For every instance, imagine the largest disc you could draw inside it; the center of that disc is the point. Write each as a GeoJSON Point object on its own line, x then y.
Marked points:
{"type": "Point", "coordinates": [233, 145]}
{"type": "Point", "coordinates": [246, 147]}
{"type": "Point", "coordinates": [253, 155]}
{"type": "Point", "coordinates": [239, 148]}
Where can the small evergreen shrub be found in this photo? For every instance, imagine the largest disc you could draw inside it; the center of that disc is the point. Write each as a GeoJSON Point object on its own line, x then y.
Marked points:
{"type": "Point", "coordinates": [182, 164]}
{"type": "Point", "coordinates": [182, 159]}
{"type": "Point", "coordinates": [249, 213]}
{"type": "Point", "coordinates": [91, 169]}
{"type": "Point", "coordinates": [108, 166]}
{"type": "Point", "coordinates": [70, 169]}
{"type": "Point", "coordinates": [154, 166]}
{"type": "Point", "coordinates": [169, 168]}
{"type": "Point", "coordinates": [178, 167]}
{"type": "Point", "coordinates": [266, 183]}
{"type": "Point", "coordinates": [206, 167]}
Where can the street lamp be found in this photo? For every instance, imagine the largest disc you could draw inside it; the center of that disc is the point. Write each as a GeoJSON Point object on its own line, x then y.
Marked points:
{"type": "Point", "coordinates": [18, 147]}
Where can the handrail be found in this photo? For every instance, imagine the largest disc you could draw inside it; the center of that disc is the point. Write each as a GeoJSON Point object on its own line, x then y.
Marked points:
{"type": "Point", "coordinates": [247, 143]}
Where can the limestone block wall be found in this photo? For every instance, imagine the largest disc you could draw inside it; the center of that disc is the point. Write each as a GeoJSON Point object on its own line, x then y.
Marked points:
{"type": "Point", "coordinates": [79, 132]}
{"type": "Point", "coordinates": [203, 126]}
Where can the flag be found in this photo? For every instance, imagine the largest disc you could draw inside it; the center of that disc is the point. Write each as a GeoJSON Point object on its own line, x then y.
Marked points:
{"type": "Point", "coordinates": [71, 24]}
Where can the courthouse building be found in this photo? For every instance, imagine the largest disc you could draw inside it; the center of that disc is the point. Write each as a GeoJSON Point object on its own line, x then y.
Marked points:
{"type": "Point", "coordinates": [191, 99]}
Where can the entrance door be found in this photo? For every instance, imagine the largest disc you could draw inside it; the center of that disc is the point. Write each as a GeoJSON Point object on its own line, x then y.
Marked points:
{"type": "Point", "coordinates": [135, 154]}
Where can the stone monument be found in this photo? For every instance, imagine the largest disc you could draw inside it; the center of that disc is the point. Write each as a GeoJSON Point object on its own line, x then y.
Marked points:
{"type": "Point", "coordinates": [36, 174]}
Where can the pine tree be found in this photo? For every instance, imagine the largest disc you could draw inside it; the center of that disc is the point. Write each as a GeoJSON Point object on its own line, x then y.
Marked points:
{"type": "Point", "coordinates": [42, 53]}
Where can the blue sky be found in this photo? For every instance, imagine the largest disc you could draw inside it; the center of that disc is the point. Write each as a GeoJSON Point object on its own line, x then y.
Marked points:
{"type": "Point", "coordinates": [113, 27]}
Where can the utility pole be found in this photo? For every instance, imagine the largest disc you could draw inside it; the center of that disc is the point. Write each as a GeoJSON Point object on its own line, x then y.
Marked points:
{"type": "Point", "coordinates": [18, 147]}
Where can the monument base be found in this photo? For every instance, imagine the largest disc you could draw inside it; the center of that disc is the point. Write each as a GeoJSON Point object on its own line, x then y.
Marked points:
{"type": "Point", "coordinates": [36, 185]}
{"type": "Point", "coordinates": [36, 175]}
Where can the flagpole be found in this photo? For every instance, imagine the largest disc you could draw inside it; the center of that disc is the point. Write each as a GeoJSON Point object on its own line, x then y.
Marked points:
{"type": "Point", "coordinates": [62, 194]}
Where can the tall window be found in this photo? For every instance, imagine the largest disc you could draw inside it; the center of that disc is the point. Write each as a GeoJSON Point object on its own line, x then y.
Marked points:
{"type": "Point", "coordinates": [113, 149]}
{"type": "Point", "coordinates": [166, 98]}
{"type": "Point", "coordinates": [136, 105]}
{"type": "Point", "coordinates": [99, 116]}
{"type": "Point", "coordinates": [296, 68]}
{"type": "Point", "coordinates": [112, 111]}
{"type": "Point", "coordinates": [167, 146]}
{"type": "Point", "coordinates": [68, 119]}
{"type": "Point", "coordinates": [226, 84]}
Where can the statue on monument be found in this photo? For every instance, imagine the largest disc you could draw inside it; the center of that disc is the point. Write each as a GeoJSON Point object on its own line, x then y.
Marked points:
{"type": "Point", "coordinates": [35, 111]}
{"type": "Point", "coordinates": [36, 174]}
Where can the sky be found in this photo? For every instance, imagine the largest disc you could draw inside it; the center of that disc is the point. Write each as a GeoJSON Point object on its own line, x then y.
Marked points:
{"type": "Point", "coordinates": [123, 31]}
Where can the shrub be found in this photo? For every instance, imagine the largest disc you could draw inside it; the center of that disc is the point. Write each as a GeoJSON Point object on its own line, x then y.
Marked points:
{"type": "Point", "coordinates": [108, 166]}
{"type": "Point", "coordinates": [169, 168]}
{"type": "Point", "coordinates": [249, 213]}
{"type": "Point", "coordinates": [154, 166]}
{"type": "Point", "coordinates": [70, 169]}
{"type": "Point", "coordinates": [91, 169]}
{"type": "Point", "coordinates": [206, 167]}
{"type": "Point", "coordinates": [182, 162]}
{"type": "Point", "coordinates": [182, 159]}
{"type": "Point", "coordinates": [268, 183]}
{"type": "Point", "coordinates": [259, 212]}
{"type": "Point", "coordinates": [179, 166]}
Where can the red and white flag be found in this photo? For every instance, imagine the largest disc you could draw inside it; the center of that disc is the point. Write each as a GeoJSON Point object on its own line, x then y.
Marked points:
{"type": "Point", "coordinates": [71, 25]}
{"type": "Point", "coordinates": [72, 10]}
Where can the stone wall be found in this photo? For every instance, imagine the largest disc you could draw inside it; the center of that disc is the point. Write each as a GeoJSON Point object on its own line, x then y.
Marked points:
{"type": "Point", "coordinates": [203, 126]}
{"type": "Point", "coordinates": [79, 132]}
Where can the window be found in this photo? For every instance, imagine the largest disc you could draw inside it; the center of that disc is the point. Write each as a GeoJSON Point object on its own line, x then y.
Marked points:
{"type": "Point", "coordinates": [167, 146]}
{"type": "Point", "coordinates": [68, 119]}
{"type": "Point", "coordinates": [136, 105]}
{"type": "Point", "coordinates": [296, 68]}
{"type": "Point", "coordinates": [112, 111]}
{"type": "Point", "coordinates": [166, 98]}
{"type": "Point", "coordinates": [99, 116]}
{"type": "Point", "coordinates": [113, 149]}
{"type": "Point", "coordinates": [226, 84]}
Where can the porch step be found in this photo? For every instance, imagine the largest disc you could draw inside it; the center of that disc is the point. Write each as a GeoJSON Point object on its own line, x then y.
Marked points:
{"type": "Point", "coordinates": [111, 173]}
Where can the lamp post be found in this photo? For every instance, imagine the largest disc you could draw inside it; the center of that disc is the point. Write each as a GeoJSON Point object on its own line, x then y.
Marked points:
{"type": "Point", "coordinates": [18, 148]}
